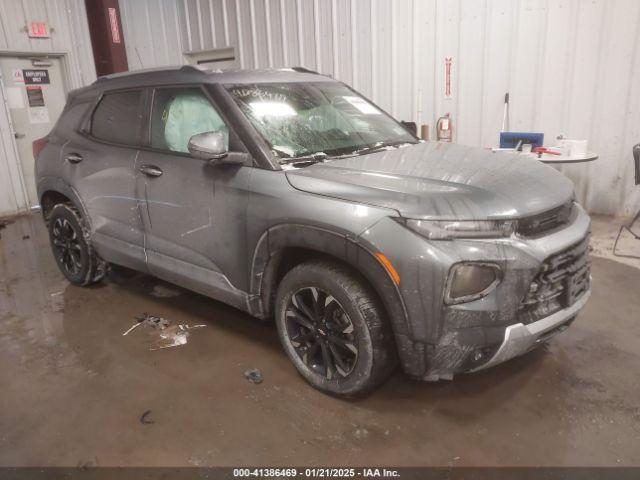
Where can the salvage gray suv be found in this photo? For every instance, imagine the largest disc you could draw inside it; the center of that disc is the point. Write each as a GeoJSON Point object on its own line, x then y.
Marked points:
{"type": "Point", "coordinates": [287, 194]}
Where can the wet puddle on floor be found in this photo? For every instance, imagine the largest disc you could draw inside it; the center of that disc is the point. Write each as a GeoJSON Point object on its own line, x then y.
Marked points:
{"type": "Point", "coordinates": [165, 334]}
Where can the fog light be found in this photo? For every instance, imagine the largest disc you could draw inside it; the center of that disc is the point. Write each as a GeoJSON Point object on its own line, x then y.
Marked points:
{"type": "Point", "coordinates": [470, 281]}
{"type": "Point", "coordinates": [478, 357]}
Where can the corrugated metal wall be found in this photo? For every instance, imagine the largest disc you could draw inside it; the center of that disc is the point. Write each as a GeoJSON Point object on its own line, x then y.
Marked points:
{"type": "Point", "coordinates": [69, 34]}
{"type": "Point", "coordinates": [571, 66]}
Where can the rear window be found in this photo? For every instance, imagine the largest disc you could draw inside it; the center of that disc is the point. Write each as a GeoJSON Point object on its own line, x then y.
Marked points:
{"type": "Point", "coordinates": [118, 118]}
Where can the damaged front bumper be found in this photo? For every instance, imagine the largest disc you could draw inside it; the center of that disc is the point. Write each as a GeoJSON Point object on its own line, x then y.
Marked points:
{"type": "Point", "coordinates": [545, 282]}
{"type": "Point", "coordinates": [520, 338]}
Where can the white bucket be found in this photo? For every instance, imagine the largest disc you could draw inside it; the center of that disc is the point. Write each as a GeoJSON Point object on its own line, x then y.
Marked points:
{"type": "Point", "coordinates": [577, 148]}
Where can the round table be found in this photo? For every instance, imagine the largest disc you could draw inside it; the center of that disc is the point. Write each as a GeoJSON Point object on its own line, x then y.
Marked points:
{"type": "Point", "coordinates": [552, 159]}
{"type": "Point", "coordinates": [562, 159]}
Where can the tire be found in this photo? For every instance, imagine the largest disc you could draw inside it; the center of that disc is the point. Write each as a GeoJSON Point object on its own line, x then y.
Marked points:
{"type": "Point", "coordinates": [72, 248]}
{"type": "Point", "coordinates": [334, 329]}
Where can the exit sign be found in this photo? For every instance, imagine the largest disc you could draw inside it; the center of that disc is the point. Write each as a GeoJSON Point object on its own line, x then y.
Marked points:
{"type": "Point", "coordinates": [38, 30]}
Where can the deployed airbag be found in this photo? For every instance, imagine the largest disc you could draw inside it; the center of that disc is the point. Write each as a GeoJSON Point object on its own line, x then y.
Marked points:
{"type": "Point", "coordinates": [189, 114]}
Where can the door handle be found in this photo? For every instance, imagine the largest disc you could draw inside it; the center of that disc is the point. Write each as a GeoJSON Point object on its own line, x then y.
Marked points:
{"type": "Point", "coordinates": [73, 158]}
{"type": "Point", "coordinates": [151, 170]}
{"type": "Point", "coordinates": [19, 135]}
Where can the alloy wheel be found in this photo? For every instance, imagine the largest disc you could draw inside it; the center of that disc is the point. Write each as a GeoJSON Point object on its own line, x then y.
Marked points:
{"type": "Point", "coordinates": [321, 333]}
{"type": "Point", "coordinates": [67, 246]}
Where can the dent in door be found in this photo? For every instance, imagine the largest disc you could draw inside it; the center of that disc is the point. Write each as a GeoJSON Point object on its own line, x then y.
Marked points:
{"type": "Point", "coordinates": [194, 223]}
{"type": "Point", "coordinates": [105, 179]}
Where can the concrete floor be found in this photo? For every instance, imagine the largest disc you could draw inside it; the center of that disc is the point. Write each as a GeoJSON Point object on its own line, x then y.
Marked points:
{"type": "Point", "coordinates": [73, 388]}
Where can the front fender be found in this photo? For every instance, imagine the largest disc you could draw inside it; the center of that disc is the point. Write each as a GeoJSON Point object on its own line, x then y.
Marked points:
{"type": "Point", "coordinates": [344, 247]}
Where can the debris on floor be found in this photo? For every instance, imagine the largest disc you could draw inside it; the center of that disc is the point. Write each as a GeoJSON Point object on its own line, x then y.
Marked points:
{"type": "Point", "coordinates": [26, 237]}
{"type": "Point", "coordinates": [170, 335]}
{"type": "Point", "coordinates": [253, 375]}
{"type": "Point", "coordinates": [153, 321]}
{"type": "Point", "coordinates": [144, 419]}
{"type": "Point", "coordinates": [163, 291]}
{"type": "Point", "coordinates": [174, 335]}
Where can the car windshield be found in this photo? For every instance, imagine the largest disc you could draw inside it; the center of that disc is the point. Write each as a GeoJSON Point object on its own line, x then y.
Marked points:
{"type": "Point", "coordinates": [317, 120]}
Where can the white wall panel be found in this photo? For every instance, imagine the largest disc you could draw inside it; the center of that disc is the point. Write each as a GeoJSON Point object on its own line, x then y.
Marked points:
{"type": "Point", "coordinates": [500, 23]}
{"type": "Point", "coordinates": [69, 36]}
{"type": "Point", "coordinates": [570, 66]}
{"type": "Point", "coordinates": [289, 36]}
{"type": "Point", "coordinates": [471, 72]}
{"type": "Point", "coordinates": [342, 38]}
{"type": "Point", "coordinates": [361, 52]}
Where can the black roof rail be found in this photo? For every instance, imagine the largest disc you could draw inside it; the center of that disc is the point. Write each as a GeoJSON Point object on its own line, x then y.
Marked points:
{"type": "Point", "coordinates": [193, 69]}
{"type": "Point", "coordinates": [304, 70]}
{"type": "Point", "coordinates": [131, 73]}
{"type": "Point", "coordinates": [102, 78]}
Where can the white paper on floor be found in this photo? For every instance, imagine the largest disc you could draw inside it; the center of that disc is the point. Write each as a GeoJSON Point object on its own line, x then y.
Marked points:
{"type": "Point", "coordinates": [169, 335]}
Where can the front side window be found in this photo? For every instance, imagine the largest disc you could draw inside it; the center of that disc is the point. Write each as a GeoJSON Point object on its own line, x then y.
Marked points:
{"type": "Point", "coordinates": [118, 118]}
{"type": "Point", "coordinates": [180, 113]}
{"type": "Point", "coordinates": [323, 118]}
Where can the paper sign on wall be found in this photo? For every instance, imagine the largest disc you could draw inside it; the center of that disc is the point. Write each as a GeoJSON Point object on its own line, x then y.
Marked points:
{"type": "Point", "coordinates": [448, 66]}
{"type": "Point", "coordinates": [35, 96]}
{"type": "Point", "coordinates": [35, 77]}
{"type": "Point", "coordinates": [17, 76]}
{"type": "Point", "coordinates": [39, 115]}
{"type": "Point", "coordinates": [14, 97]}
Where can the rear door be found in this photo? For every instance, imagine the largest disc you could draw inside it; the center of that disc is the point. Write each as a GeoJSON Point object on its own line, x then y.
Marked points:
{"type": "Point", "coordinates": [102, 165]}
{"type": "Point", "coordinates": [195, 212]}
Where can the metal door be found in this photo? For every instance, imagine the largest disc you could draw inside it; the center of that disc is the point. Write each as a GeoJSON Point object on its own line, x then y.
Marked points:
{"type": "Point", "coordinates": [35, 94]}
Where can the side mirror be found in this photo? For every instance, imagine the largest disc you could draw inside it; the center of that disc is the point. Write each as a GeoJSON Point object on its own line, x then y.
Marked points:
{"type": "Point", "coordinates": [636, 157]}
{"type": "Point", "coordinates": [210, 146]}
{"type": "Point", "coordinates": [207, 146]}
{"type": "Point", "coordinates": [411, 127]}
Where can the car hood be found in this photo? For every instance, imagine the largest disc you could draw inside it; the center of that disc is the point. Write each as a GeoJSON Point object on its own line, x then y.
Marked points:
{"type": "Point", "coordinates": [440, 180]}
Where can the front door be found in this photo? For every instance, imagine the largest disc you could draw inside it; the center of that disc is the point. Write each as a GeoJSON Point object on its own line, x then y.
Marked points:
{"type": "Point", "coordinates": [195, 212]}
{"type": "Point", "coordinates": [34, 91]}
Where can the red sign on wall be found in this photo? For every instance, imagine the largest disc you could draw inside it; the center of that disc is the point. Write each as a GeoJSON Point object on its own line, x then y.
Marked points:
{"type": "Point", "coordinates": [38, 30]}
{"type": "Point", "coordinates": [113, 23]}
{"type": "Point", "coordinates": [448, 89]}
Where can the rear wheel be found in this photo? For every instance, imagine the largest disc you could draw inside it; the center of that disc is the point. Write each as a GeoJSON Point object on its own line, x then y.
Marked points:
{"type": "Point", "coordinates": [334, 329]}
{"type": "Point", "coordinates": [71, 247]}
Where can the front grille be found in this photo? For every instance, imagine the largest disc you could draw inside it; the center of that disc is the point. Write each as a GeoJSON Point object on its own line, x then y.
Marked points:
{"type": "Point", "coordinates": [563, 278]}
{"type": "Point", "coordinates": [546, 221]}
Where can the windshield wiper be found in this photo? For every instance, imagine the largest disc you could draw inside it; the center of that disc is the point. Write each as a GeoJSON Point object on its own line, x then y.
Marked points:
{"type": "Point", "coordinates": [312, 158]}
{"type": "Point", "coordinates": [377, 147]}
{"type": "Point", "coordinates": [322, 157]}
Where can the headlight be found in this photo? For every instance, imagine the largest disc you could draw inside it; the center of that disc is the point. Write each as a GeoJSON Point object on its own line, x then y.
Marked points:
{"type": "Point", "coordinates": [449, 229]}
{"type": "Point", "coordinates": [470, 281]}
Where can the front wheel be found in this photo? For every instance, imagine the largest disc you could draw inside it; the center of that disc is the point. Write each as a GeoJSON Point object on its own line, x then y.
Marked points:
{"type": "Point", "coordinates": [334, 329]}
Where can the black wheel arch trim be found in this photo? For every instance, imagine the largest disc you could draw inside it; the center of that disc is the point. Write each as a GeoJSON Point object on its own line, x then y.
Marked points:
{"type": "Point", "coordinates": [58, 185]}
{"type": "Point", "coordinates": [268, 255]}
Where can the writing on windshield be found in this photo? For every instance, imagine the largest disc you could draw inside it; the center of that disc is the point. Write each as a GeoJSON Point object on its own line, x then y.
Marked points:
{"type": "Point", "coordinates": [311, 119]}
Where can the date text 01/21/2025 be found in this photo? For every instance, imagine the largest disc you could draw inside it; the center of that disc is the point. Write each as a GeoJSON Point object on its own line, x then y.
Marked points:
{"type": "Point", "coordinates": [315, 473]}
